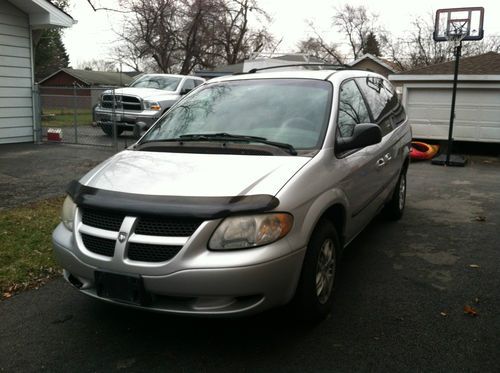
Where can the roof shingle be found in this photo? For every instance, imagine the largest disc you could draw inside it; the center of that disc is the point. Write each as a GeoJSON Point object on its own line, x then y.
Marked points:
{"type": "Point", "coordinates": [483, 64]}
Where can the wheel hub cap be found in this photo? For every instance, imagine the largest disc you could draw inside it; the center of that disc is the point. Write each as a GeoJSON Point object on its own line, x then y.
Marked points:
{"type": "Point", "coordinates": [402, 192]}
{"type": "Point", "coordinates": [325, 271]}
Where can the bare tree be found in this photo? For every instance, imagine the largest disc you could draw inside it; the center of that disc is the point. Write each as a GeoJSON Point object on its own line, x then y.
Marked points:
{"type": "Point", "coordinates": [233, 33]}
{"type": "Point", "coordinates": [356, 24]}
{"type": "Point", "coordinates": [179, 35]}
{"type": "Point", "coordinates": [418, 48]}
{"type": "Point", "coordinates": [317, 47]}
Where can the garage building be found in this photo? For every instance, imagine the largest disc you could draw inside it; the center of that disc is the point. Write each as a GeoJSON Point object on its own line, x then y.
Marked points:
{"type": "Point", "coordinates": [427, 92]}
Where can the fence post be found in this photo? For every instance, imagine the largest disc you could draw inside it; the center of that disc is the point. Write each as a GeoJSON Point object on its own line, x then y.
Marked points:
{"type": "Point", "coordinates": [75, 115]}
{"type": "Point", "coordinates": [113, 119]}
{"type": "Point", "coordinates": [37, 114]}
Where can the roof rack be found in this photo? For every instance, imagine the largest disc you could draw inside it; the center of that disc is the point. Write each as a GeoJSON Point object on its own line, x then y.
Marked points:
{"type": "Point", "coordinates": [335, 67]}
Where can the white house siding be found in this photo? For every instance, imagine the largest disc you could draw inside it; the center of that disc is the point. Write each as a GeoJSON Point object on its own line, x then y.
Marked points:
{"type": "Point", "coordinates": [477, 112]}
{"type": "Point", "coordinates": [16, 103]}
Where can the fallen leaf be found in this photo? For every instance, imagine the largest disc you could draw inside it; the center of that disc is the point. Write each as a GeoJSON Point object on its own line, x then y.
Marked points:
{"type": "Point", "coordinates": [480, 218]}
{"type": "Point", "coordinates": [470, 311]}
{"type": "Point", "coordinates": [476, 300]}
{"type": "Point", "coordinates": [443, 314]}
{"type": "Point", "coordinates": [474, 265]}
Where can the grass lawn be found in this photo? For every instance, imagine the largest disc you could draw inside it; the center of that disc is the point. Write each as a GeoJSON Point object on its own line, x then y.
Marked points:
{"type": "Point", "coordinates": [65, 117]}
{"type": "Point", "coordinates": [26, 259]}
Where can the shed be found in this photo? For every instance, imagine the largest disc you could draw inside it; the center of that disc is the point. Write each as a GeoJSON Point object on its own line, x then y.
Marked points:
{"type": "Point", "coordinates": [59, 89]}
{"type": "Point", "coordinates": [20, 22]}
{"type": "Point", "coordinates": [427, 95]}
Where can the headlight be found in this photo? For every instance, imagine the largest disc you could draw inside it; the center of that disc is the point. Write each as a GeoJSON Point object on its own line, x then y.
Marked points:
{"type": "Point", "coordinates": [152, 105]}
{"type": "Point", "coordinates": [241, 232]}
{"type": "Point", "coordinates": [68, 213]}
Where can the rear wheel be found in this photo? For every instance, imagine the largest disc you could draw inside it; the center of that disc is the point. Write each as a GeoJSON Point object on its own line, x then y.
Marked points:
{"type": "Point", "coordinates": [314, 297]}
{"type": "Point", "coordinates": [395, 208]}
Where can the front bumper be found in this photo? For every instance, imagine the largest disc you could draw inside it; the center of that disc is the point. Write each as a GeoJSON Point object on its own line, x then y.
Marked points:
{"type": "Point", "coordinates": [126, 119]}
{"type": "Point", "coordinates": [229, 289]}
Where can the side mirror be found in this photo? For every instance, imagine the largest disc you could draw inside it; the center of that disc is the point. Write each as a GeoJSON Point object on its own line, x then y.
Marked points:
{"type": "Point", "coordinates": [185, 90]}
{"type": "Point", "coordinates": [364, 134]}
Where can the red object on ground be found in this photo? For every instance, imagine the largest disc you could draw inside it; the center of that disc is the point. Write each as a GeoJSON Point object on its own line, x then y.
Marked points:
{"type": "Point", "coordinates": [54, 134]}
{"type": "Point", "coordinates": [421, 150]}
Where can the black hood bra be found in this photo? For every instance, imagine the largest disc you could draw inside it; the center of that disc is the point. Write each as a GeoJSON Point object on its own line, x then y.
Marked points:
{"type": "Point", "coordinates": [178, 206]}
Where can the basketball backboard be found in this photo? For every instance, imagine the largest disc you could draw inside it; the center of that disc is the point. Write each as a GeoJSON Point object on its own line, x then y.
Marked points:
{"type": "Point", "coordinates": [459, 24]}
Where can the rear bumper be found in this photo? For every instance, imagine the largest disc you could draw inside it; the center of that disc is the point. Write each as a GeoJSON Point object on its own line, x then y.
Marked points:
{"type": "Point", "coordinates": [220, 291]}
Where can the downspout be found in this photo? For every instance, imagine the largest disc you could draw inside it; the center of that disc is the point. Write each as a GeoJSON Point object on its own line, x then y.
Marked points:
{"type": "Point", "coordinates": [37, 138]}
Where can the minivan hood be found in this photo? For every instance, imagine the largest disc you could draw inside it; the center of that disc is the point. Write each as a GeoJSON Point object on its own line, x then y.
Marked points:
{"type": "Point", "coordinates": [185, 174]}
{"type": "Point", "coordinates": [144, 93]}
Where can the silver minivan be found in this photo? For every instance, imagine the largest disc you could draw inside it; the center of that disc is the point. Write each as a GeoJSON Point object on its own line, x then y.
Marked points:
{"type": "Point", "coordinates": [241, 197]}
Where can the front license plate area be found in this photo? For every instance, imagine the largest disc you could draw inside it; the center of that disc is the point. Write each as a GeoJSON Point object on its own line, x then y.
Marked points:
{"type": "Point", "coordinates": [123, 288]}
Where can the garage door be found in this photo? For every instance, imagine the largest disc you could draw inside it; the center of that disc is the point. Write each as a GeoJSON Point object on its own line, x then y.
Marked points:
{"type": "Point", "coordinates": [477, 114]}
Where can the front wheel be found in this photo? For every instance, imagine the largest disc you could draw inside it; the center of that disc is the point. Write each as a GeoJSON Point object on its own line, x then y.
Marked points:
{"type": "Point", "coordinates": [314, 297]}
{"type": "Point", "coordinates": [395, 207]}
{"type": "Point", "coordinates": [108, 130]}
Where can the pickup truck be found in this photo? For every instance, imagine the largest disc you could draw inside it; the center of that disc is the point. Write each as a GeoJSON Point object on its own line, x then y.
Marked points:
{"type": "Point", "coordinates": [137, 107]}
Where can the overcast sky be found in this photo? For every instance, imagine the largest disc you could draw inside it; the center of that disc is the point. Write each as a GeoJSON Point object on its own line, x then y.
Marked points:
{"type": "Point", "coordinates": [93, 36]}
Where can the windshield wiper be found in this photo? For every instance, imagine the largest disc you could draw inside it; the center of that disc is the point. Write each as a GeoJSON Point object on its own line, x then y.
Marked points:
{"type": "Point", "coordinates": [224, 136]}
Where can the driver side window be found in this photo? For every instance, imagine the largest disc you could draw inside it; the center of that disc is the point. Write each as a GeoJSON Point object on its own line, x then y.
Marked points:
{"type": "Point", "coordinates": [352, 109]}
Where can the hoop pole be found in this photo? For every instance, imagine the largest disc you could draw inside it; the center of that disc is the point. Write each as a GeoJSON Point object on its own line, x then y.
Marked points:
{"type": "Point", "coordinates": [458, 52]}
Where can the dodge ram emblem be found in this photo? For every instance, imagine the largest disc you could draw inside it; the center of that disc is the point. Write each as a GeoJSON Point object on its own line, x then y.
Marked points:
{"type": "Point", "coordinates": [122, 236]}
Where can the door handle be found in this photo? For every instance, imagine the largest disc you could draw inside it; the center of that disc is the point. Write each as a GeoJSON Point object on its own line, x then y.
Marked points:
{"type": "Point", "coordinates": [380, 162]}
{"type": "Point", "coordinates": [388, 157]}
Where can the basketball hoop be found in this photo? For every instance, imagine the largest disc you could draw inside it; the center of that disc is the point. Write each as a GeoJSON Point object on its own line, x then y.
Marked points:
{"type": "Point", "coordinates": [455, 26]}
{"type": "Point", "coordinates": [457, 31]}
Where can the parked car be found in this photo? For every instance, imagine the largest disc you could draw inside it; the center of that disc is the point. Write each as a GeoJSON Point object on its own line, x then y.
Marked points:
{"type": "Point", "coordinates": [242, 197]}
{"type": "Point", "coordinates": [137, 107]}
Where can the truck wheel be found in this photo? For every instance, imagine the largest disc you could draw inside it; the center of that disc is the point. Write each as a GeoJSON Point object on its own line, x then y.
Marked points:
{"type": "Point", "coordinates": [314, 296]}
{"type": "Point", "coordinates": [109, 131]}
{"type": "Point", "coordinates": [394, 209]}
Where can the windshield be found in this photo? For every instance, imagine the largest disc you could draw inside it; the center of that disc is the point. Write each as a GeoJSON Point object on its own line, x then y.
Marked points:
{"type": "Point", "coordinates": [167, 83]}
{"type": "Point", "coordinates": [291, 111]}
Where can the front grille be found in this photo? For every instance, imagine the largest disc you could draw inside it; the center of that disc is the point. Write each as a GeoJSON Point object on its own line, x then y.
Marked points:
{"type": "Point", "coordinates": [176, 227]}
{"type": "Point", "coordinates": [151, 253]}
{"type": "Point", "coordinates": [101, 246]}
{"type": "Point", "coordinates": [102, 219]}
{"type": "Point", "coordinates": [121, 102]}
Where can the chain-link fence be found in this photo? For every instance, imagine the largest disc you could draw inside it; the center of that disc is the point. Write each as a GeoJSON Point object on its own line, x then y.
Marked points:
{"type": "Point", "coordinates": [67, 114]}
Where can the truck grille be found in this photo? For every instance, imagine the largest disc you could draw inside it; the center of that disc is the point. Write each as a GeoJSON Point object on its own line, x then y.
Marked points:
{"type": "Point", "coordinates": [151, 253]}
{"type": "Point", "coordinates": [124, 102]}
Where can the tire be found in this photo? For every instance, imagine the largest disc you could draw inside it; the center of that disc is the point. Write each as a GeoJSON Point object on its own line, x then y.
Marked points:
{"type": "Point", "coordinates": [394, 209]}
{"type": "Point", "coordinates": [314, 296]}
{"type": "Point", "coordinates": [108, 130]}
